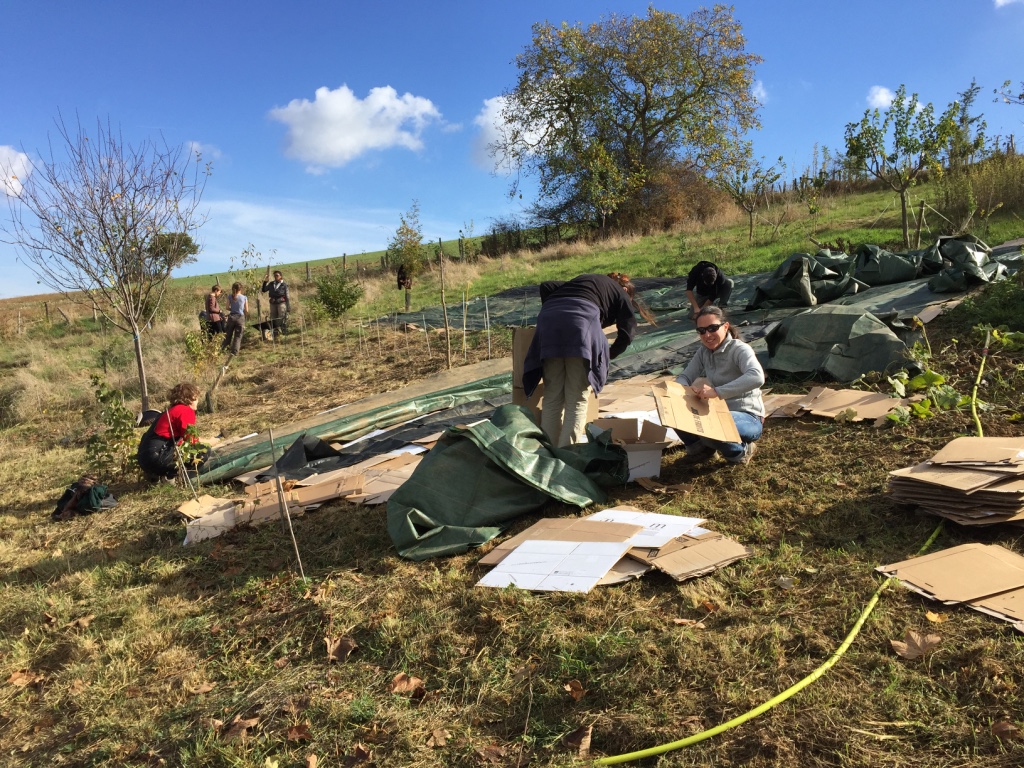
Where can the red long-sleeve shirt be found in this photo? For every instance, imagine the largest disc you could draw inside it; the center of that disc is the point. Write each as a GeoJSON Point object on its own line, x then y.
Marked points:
{"type": "Point", "coordinates": [179, 417]}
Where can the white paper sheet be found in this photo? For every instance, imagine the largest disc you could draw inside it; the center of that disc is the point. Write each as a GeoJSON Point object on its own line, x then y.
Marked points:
{"type": "Point", "coordinates": [658, 529]}
{"type": "Point", "coordinates": [556, 566]}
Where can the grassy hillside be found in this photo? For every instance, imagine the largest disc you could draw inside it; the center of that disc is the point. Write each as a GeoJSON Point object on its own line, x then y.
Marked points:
{"type": "Point", "coordinates": [119, 647]}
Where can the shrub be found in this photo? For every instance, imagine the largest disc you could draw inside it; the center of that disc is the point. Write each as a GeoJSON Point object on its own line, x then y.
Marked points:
{"type": "Point", "coordinates": [337, 293]}
{"type": "Point", "coordinates": [111, 452]}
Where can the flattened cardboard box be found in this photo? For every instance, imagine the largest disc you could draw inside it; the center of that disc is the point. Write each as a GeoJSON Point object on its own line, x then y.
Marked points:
{"type": "Point", "coordinates": [680, 409]}
{"type": "Point", "coordinates": [1006, 452]}
{"type": "Point", "coordinates": [960, 574]}
{"type": "Point", "coordinates": [688, 557]}
{"type": "Point", "coordinates": [563, 529]}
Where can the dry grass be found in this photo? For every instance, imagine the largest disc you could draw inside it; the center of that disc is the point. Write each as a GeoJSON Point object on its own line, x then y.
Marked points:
{"type": "Point", "coordinates": [119, 647]}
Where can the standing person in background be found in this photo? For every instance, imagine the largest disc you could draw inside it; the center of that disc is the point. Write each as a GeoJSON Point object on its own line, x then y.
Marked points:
{"type": "Point", "coordinates": [214, 316]}
{"type": "Point", "coordinates": [157, 454]}
{"type": "Point", "coordinates": [725, 367]}
{"type": "Point", "coordinates": [278, 294]}
{"type": "Point", "coordinates": [237, 313]}
{"type": "Point", "coordinates": [569, 349]}
{"type": "Point", "coordinates": [707, 284]}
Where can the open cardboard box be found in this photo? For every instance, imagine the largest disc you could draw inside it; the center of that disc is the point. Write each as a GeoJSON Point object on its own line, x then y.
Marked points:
{"type": "Point", "coordinates": [643, 441]}
{"type": "Point", "coordinates": [682, 410]}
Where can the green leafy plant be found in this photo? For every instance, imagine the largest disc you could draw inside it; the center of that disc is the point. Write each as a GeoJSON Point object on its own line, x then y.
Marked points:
{"type": "Point", "coordinates": [111, 452]}
{"type": "Point", "coordinates": [192, 450]}
{"type": "Point", "coordinates": [337, 293]}
{"type": "Point", "coordinates": [203, 353]}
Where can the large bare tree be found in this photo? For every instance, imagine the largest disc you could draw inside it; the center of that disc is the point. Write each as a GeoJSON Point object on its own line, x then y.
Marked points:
{"type": "Point", "coordinates": [104, 222]}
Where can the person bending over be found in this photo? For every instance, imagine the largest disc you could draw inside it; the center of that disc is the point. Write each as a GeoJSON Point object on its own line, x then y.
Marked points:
{"type": "Point", "coordinates": [725, 367]}
{"type": "Point", "coordinates": [707, 284]}
{"type": "Point", "coordinates": [157, 455]}
{"type": "Point", "coordinates": [569, 350]}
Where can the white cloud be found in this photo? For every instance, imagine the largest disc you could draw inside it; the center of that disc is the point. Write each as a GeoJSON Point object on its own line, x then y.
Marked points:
{"type": "Point", "coordinates": [205, 151]}
{"type": "Point", "coordinates": [759, 92]}
{"type": "Point", "coordinates": [492, 129]}
{"type": "Point", "coordinates": [1001, 3]}
{"type": "Point", "coordinates": [489, 121]}
{"type": "Point", "coordinates": [14, 169]}
{"type": "Point", "coordinates": [337, 127]}
{"type": "Point", "coordinates": [879, 97]}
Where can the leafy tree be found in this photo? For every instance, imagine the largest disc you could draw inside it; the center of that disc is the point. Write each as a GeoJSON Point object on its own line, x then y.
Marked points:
{"type": "Point", "coordinates": [405, 249]}
{"type": "Point", "coordinates": [105, 223]}
{"type": "Point", "coordinates": [898, 145]}
{"type": "Point", "coordinates": [597, 113]}
{"type": "Point", "coordinates": [1008, 94]}
{"type": "Point", "coordinates": [337, 293]}
{"type": "Point", "coordinates": [749, 186]}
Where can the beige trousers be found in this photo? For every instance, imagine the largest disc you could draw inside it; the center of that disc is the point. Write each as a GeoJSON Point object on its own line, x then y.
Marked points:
{"type": "Point", "coordinates": [566, 392]}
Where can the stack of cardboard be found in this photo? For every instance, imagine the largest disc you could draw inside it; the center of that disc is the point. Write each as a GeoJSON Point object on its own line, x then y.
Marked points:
{"type": "Point", "coordinates": [971, 481]}
{"type": "Point", "coordinates": [608, 547]}
{"type": "Point", "coordinates": [984, 577]}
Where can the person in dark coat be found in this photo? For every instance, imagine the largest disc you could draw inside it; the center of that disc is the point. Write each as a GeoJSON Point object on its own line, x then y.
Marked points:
{"type": "Point", "coordinates": [214, 316]}
{"type": "Point", "coordinates": [569, 350]}
{"type": "Point", "coordinates": [277, 290]}
{"type": "Point", "coordinates": [707, 284]}
{"type": "Point", "coordinates": [157, 454]}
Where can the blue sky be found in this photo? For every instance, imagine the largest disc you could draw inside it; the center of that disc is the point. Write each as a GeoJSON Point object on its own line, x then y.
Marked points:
{"type": "Point", "coordinates": [325, 120]}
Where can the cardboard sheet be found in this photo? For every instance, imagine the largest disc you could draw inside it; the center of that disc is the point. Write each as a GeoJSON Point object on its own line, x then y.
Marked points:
{"type": "Point", "coordinates": [563, 566]}
{"type": "Point", "coordinates": [657, 529]}
{"type": "Point", "coordinates": [563, 529]}
{"type": "Point", "coordinates": [960, 574]}
{"type": "Point", "coordinates": [680, 409]}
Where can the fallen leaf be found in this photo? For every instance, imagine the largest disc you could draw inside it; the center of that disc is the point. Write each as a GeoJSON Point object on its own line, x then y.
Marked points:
{"type": "Point", "coordinates": [339, 648]}
{"type": "Point", "coordinates": [575, 689]}
{"type": "Point", "coordinates": [238, 728]}
{"type": "Point", "coordinates": [78, 685]}
{"type": "Point", "coordinates": [283, 662]}
{"type": "Point", "coordinates": [709, 606]}
{"type": "Point", "coordinates": [492, 754]}
{"type": "Point", "coordinates": [311, 760]}
{"type": "Point", "coordinates": [1006, 731]}
{"type": "Point", "coordinates": [579, 741]}
{"type": "Point", "coordinates": [915, 645]}
{"type": "Point", "coordinates": [689, 623]}
{"type": "Point", "coordinates": [360, 754]}
{"type": "Point", "coordinates": [300, 732]}
{"type": "Point", "coordinates": [49, 619]}
{"type": "Point", "coordinates": [785, 582]}
{"type": "Point", "coordinates": [403, 683]}
{"type": "Point", "coordinates": [202, 688]}
{"type": "Point", "coordinates": [936, 618]}
{"type": "Point", "coordinates": [83, 621]}
{"type": "Point", "coordinates": [658, 487]}
{"type": "Point", "coordinates": [295, 706]}
{"type": "Point", "coordinates": [438, 738]}
{"type": "Point", "coordinates": [524, 672]}
{"type": "Point", "coordinates": [23, 678]}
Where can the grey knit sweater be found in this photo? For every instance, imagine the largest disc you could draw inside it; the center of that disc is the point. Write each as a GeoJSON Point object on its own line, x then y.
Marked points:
{"type": "Point", "coordinates": [734, 372]}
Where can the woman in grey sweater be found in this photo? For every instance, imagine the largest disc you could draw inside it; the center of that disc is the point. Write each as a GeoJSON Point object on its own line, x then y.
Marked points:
{"type": "Point", "coordinates": [725, 367]}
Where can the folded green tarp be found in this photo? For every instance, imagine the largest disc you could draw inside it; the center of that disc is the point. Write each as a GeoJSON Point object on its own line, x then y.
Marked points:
{"type": "Point", "coordinates": [803, 280]}
{"type": "Point", "coordinates": [479, 478]}
{"type": "Point", "coordinates": [842, 342]}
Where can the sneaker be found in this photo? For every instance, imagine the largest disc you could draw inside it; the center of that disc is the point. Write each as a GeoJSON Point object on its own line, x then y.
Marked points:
{"type": "Point", "coordinates": [698, 454]}
{"type": "Point", "coordinates": [749, 449]}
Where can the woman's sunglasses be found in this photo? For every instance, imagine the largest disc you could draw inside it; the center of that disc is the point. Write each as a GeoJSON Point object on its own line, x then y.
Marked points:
{"type": "Point", "coordinates": [709, 328]}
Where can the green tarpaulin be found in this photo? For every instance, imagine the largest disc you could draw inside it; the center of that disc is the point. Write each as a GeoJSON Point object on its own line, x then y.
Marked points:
{"type": "Point", "coordinates": [479, 478]}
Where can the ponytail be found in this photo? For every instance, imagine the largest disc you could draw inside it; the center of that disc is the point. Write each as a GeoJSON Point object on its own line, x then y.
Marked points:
{"type": "Point", "coordinates": [642, 309]}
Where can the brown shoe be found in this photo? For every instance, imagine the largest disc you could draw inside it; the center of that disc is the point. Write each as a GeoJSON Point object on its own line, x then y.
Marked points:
{"type": "Point", "coordinates": [749, 449]}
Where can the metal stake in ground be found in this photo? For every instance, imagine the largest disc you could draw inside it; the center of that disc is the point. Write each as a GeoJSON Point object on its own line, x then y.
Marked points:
{"type": "Point", "coordinates": [283, 505]}
{"type": "Point", "coordinates": [426, 334]}
{"type": "Point", "coordinates": [487, 323]}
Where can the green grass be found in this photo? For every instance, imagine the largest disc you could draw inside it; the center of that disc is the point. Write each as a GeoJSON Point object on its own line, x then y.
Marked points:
{"type": "Point", "coordinates": [136, 650]}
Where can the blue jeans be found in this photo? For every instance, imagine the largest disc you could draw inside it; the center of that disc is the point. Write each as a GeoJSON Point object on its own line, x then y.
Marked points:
{"type": "Point", "coordinates": [747, 424]}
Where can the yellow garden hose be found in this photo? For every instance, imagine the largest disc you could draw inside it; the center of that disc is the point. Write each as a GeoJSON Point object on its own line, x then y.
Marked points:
{"type": "Point", "coordinates": [793, 689]}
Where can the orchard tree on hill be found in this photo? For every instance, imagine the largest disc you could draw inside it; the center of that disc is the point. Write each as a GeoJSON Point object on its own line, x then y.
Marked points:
{"type": "Point", "coordinates": [104, 222]}
{"type": "Point", "coordinates": [599, 113]}
{"type": "Point", "coordinates": [750, 184]}
{"type": "Point", "coordinates": [405, 250]}
{"type": "Point", "coordinates": [896, 146]}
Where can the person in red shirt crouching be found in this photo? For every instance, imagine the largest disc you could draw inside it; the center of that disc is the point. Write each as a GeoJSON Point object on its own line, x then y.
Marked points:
{"type": "Point", "coordinates": [157, 456]}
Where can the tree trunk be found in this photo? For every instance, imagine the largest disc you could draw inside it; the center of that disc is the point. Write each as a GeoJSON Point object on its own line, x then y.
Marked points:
{"type": "Point", "coordinates": [750, 233]}
{"type": "Point", "coordinates": [408, 299]}
{"type": "Point", "coordinates": [143, 386]}
{"type": "Point", "coordinates": [444, 306]}
{"type": "Point", "coordinates": [906, 227]}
